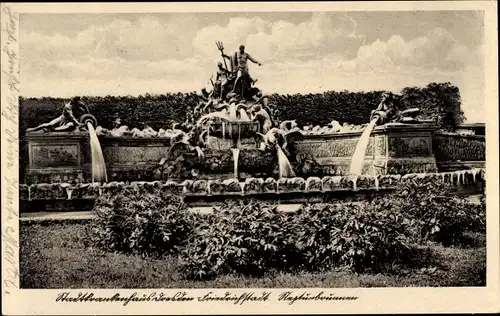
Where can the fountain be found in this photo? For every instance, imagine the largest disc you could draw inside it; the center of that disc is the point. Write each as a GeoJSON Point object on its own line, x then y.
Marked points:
{"type": "Point", "coordinates": [236, 126]}
{"type": "Point", "coordinates": [358, 158]}
{"type": "Point", "coordinates": [236, 147]}
{"type": "Point", "coordinates": [236, 154]}
{"type": "Point", "coordinates": [98, 164]}
{"type": "Point", "coordinates": [285, 167]}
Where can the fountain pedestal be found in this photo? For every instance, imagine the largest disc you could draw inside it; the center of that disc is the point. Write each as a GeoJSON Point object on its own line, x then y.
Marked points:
{"type": "Point", "coordinates": [57, 157]}
{"type": "Point", "coordinates": [393, 148]}
{"type": "Point", "coordinates": [408, 148]}
{"type": "Point", "coordinates": [234, 130]}
{"type": "Point", "coordinates": [66, 157]}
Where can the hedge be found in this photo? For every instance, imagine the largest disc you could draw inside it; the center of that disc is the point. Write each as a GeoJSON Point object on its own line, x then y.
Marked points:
{"type": "Point", "coordinates": [440, 101]}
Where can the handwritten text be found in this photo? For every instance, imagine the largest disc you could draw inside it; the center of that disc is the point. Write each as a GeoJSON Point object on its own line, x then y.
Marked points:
{"type": "Point", "coordinates": [10, 145]}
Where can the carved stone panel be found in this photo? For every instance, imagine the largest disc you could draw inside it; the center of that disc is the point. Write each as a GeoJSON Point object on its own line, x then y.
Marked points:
{"type": "Point", "coordinates": [56, 176]}
{"type": "Point", "coordinates": [414, 146]}
{"type": "Point", "coordinates": [54, 156]}
{"type": "Point", "coordinates": [334, 147]}
{"type": "Point", "coordinates": [380, 146]}
{"type": "Point", "coordinates": [134, 154]}
{"type": "Point", "coordinates": [405, 165]}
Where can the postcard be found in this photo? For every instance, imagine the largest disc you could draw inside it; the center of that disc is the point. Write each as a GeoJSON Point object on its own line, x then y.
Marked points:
{"type": "Point", "coordinates": [250, 158]}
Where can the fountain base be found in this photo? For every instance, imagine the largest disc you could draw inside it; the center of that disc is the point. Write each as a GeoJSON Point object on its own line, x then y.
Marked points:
{"type": "Point", "coordinates": [234, 130]}
{"type": "Point", "coordinates": [63, 196]}
{"type": "Point", "coordinates": [393, 148]}
{"type": "Point", "coordinates": [58, 157]}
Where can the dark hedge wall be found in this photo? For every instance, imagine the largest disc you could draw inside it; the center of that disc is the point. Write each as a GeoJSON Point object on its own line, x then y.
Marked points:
{"type": "Point", "coordinates": [438, 101]}
{"type": "Point", "coordinates": [157, 111]}
{"type": "Point", "coordinates": [322, 108]}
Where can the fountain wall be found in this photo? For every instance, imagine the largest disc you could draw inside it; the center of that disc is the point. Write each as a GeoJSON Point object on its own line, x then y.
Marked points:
{"type": "Point", "coordinates": [58, 157]}
{"type": "Point", "coordinates": [456, 152]}
{"type": "Point", "coordinates": [80, 196]}
{"type": "Point", "coordinates": [392, 149]}
{"type": "Point", "coordinates": [65, 157]}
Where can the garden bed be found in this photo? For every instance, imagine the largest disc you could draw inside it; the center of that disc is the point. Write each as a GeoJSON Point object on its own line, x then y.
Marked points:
{"type": "Point", "coordinates": [54, 256]}
{"type": "Point", "coordinates": [411, 234]}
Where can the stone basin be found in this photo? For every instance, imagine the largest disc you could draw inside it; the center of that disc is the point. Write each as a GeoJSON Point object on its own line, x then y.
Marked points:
{"type": "Point", "coordinates": [234, 130]}
{"type": "Point", "coordinates": [392, 149]}
{"type": "Point", "coordinates": [250, 161]}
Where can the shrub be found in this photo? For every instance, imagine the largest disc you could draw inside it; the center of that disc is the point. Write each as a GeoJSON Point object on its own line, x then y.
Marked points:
{"type": "Point", "coordinates": [439, 213]}
{"type": "Point", "coordinates": [241, 237]}
{"type": "Point", "coordinates": [362, 237]}
{"type": "Point", "coordinates": [252, 238]}
{"type": "Point", "coordinates": [148, 224]}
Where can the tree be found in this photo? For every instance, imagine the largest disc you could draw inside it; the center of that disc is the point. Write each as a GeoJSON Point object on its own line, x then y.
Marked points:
{"type": "Point", "coordinates": [437, 101]}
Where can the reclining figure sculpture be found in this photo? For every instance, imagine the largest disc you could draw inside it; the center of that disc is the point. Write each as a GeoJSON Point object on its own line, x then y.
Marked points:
{"type": "Point", "coordinates": [68, 120]}
{"type": "Point", "coordinates": [389, 111]}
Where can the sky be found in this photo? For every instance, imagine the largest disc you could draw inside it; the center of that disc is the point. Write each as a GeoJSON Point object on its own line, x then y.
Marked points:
{"type": "Point", "coordinates": [63, 55]}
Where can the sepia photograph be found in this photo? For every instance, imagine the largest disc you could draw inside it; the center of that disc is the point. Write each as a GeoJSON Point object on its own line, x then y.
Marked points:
{"type": "Point", "coordinates": [239, 149]}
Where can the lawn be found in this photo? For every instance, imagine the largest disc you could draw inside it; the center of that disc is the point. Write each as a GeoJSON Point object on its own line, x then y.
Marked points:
{"type": "Point", "coordinates": [55, 256]}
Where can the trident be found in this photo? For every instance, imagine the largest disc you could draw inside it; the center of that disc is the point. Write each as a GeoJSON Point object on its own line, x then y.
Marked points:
{"type": "Point", "coordinates": [220, 46]}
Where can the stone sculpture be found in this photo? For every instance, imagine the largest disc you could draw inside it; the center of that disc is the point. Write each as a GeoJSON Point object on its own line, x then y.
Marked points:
{"type": "Point", "coordinates": [75, 114]}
